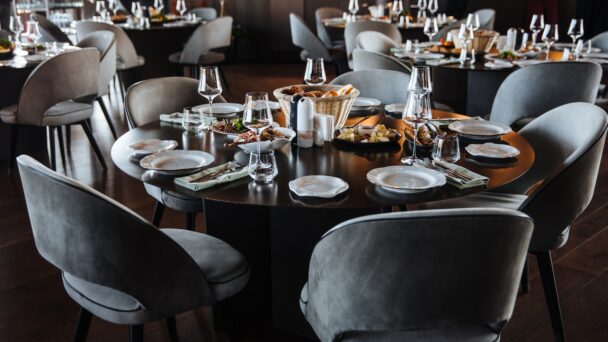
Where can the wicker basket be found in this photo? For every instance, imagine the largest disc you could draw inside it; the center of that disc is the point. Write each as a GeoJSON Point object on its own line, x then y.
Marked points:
{"type": "Point", "coordinates": [338, 106]}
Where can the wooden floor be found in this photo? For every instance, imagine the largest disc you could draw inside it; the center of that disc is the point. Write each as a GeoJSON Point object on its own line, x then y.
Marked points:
{"type": "Point", "coordinates": [35, 307]}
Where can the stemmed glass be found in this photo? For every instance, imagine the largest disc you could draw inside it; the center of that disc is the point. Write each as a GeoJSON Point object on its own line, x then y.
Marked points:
{"type": "Point", "coordinates": [257, 115]}
{"type": "Point", "coordinates": [100, 8]}
{"type": "Point", "coordinates": [550, 36]}
{"type": "Point", "coordinates": [158, 5]}
{"type": "Point", "coordinates": [180, 6]}
{"type": "Point", "coordinates": [209, 86]}
{"type": "Point", "coordinates": [353, 8]}
{"type": "Point", "coordinates": [397, 8]}
{"type": "Point", "coordinates": [466, 36]}
{"type": "Point", "coordinates": [433, 7]}
{"type": "Point", "coordinates": [136, 10]}
{"type": "Point", "coordinates": [112, 6]}
{"type": "Point", "coordinates": [473, 21]}
{"type": "Point", "coordinates": [576, 30]}
{"type": "Point", "coordinates": [431, 28]}
{"type": "Point", "coordinates": [32, 32]}
{"type": "Point", "coordinates": [315, 72]}
{"type": "Point", "coordinates": [16, 26]}
{"type": "Point", "coordinates": [536, 25]}
{"type": "Point", "coordinates": [422, 9]}
{"type": "Point", "coordinates": [415, 112]}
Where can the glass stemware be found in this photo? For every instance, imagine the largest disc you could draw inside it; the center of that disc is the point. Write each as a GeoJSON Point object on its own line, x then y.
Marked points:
{"type": "Point", "coordinates": [415, 112]}
{"type": "Point", "coordinates": [180, 6]}
{"type": "Point", "coordinates": [315, 72]}
{"type": "Point", "coordinates": [550, 36]}
{"type": "Point", "coordinates": [16, 26]}
{"type": "Point", "coordinates": [421, 9]}
{"type": "Point", "coordinates": [100, 8]}
{"type": "Point", "coordinates": [158, 5]}
{"type": "Point", "coordinates": [466, 36]}
{"type": "Point", "coordinates": [473, 21]}
{"type": "Point", "coordinates": [576, 30]}
{"type": "Point", "coordinates": [32, 32]}
{"type": "Point", "coordinates": [397, 8]}
{"type": "Point", "coordinates": [537, 24]}
{"type": "Point", "coordinates": [257, 115]}
{"type": "Point", "coordinates": [431, 28]}
{"type": "Point", "coordinates": [112, 6]}
{"type": "Point", "coordinates": [209, 86]}
{"type": "Point", "coordinates": [353, 8]}
{"type": "Point", "coordinates": [136, 11]}
{"type": "Point", "coordinates": [433, 7]}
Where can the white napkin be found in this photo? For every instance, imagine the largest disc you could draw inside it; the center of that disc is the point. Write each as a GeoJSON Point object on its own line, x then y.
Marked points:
{"type": "Point", "coordinates": [193, 182]}
{"type": "Point", "coordinates": [323, 128]}
{"type": "Point", "coordinates": [172, 118]}
{"type": "Point", "coordinates": [566, 55]}
{"type": "Point", "coordinates": [498, 64]}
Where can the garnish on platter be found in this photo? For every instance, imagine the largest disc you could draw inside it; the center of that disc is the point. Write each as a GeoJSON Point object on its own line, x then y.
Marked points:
{"type": "Point", "coordinates": [369, 135]}
{"type": "Point", "coordinates": [271, 138]}
{"type": "Point", "coordinates": [426, 134]}
{"type": "Point", "coordinates": [234, 126]}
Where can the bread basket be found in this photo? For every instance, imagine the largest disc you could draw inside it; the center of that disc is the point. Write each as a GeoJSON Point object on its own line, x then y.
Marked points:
{"type": "Point", "coordinates": [338, 106]}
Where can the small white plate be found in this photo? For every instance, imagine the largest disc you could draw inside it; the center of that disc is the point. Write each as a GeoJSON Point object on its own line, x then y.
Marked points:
{"type": "Point", "coordinates": [364, 102]}
{"type": "Point", "coordinates": [406, 179]}
{"type": "Point", "coordinates": [479, 128]}
{"type": "Point", "coordinates": [177, 161]}
{"type": "Point", "coordinates": [273, 105]}
{"type": "Point", "coordinates": [491, 150]}
{"type": "Point", "coordinates": [271, 145]}
{"type": "Point", "coordinates": [149, 146]}
{"type": "Point", "coordinates": [395, 108]}
{"type": "Point", "coordinates": [498, 64]}
{"type": "Point", "coordinates": [318, 186]}
{"type": "Point", "coordinates": [221, 109]}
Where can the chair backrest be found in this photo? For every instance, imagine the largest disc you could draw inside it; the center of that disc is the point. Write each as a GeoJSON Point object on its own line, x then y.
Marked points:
{"type": "Point", "coordinates": [364, 60]}
{"type": "Point", "coordinates": [443, 32]}
{"type": "Point", "coordinates": [375, 42]}
{"type": "Point", "coordinates": [535, 89]}
{"type": "Point", "coordinates": [146, 100]}
{"type": "Point", "coordinates": [105, 43]}
{"type": "Point", "coordinates": [49, 31]}
{"type": "Point", "coordinates": [125, 50]}
{"type": "Point", "coordinates": [354, 28]}
{"type": "Point", "coordinates": [568, 142]}
{"type": "Point", "coordinates": [388, 86]}
{"type": "Point", "coordinates": [205, 13]}
{"type": "Point", "coordinates": [304, 38]}
{"type": "Point", "coordinates": [487, 17]}
{"type": "Point", "coordinates": [601, 41]}
{"type": "Point", "coordinates": [73, 75]}
{"type": "Point", "coordinates": [417, 270]}
{"type": "Point", "coordinates": [215, 34]}
{"type": "Point", "coordinates": [321, 14]}
{"type": "Point", "coordinates": [94, 238]}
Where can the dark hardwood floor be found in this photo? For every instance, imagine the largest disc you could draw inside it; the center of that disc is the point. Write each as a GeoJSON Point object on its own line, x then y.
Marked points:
{"type": "Point", "coordinates": [35, 307]}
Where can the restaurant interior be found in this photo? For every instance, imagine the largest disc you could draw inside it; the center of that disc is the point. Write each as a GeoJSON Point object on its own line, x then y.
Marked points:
{"type": "Point", "coordinates": [303, 170]}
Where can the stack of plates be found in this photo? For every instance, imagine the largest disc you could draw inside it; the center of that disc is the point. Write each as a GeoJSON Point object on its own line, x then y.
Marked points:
{"type": "Point", "coordinates": [406, 179]}
{"type": "Point", "coordinates": [479, 129]}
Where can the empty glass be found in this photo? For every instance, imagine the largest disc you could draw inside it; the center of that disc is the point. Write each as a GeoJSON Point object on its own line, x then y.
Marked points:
{"type": "Point", "coordinates": [576, 30]}
{"type": "Point", "coordinates": [550, 36]}
{"type": "Point", "coordinates": [180, 6]}
{"type": "Point", "coordinates": [466, 36]}
{"type": "Point", "coordinates": [16, 26]}
{"type": "Point", "coordinates": [263, 166]}
{"type": "Point", "coordinates": [315, 72]}
{"type": "Point", "coordinates": [473, 21]}
{"type": "Point", "coordinates": [191, 120]}
{"type": "Point", "coordinates": [415, 113]}
{"type": "Point", "coordinates": [257, 115]}
{"type": "Point", "coordinates": [353, 7]}
{"type": "Point", "coordinates": [433, 7]}
{"type": "Point", "coordinates": [158, 5]}
{"type": "Point", "coordinates": [113, 6]}
{"type": "Point", "coordinates": [537, 24]}
{"type": "Point", "coordinates": [431, 28]}
{"type": "Point", "coordinates": [421, 9]}
{"type": "Point", "coordinates": [32, 32]}
{"type": "Point", "coordinates": [446, 148]}
{"type": "Point", "coordinates": [100, 8]}
{"type": "Point", "coordinates": [209, 86]}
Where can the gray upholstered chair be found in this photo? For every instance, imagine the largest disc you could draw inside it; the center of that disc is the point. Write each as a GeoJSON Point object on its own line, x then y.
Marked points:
{"type": "Point", "coordinates": [365, 60]}
{"type": "Point", "coordinates": [443, 32]}
{"type": "Point", "coordinates": [487, 17]}
{"type": "Point", "coordinates": [388, 86]}
{"type": "Point", "coordinates": [353, 29]}
{"type": "Point", "coordinates": [400, 276]}
{"type": "Point", "coordinates": [115, 264]}
{"type": "Point", "coordinates": [144, 102]}
{"type": "Point", "coordinates": [375, 42]}
{"type": "Point", "coordinates": [326, 37]}
{"type": "Point", "coordinates": [533, 90]}
{"type": "Point", "coordinates": [127, 58]}
{"type": "Point", "coordinates": [49, 31]}
{"type": "Point", "coordinates": [47, 99]}
{"type": "Point", "coordinates": [204, 13]}
{"type": "Point", "coordinates": [600, 41]}
{"type": "Point", "coordinates": [105, 42]}
{"type": "Point", "coordinates": [556, 190]}
{"type": "Point", "coordinates": [206, 46]}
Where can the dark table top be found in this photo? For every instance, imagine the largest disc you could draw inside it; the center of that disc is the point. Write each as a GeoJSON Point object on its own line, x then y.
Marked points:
{"type": "Point", "coordinates": [331, 159]}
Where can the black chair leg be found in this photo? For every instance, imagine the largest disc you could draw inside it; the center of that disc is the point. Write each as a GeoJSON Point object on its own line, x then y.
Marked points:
{"type": "Point", "coordinates": [68, 138]}
{"type": "Point", "coordinates": [121, 84]}
{"type": "Point", "coordinates": [159, 209]}
{"type": "Point", "coordinates": [61, 146]}
{"type": "Point", "coordinates": [13, 153]}
{"type": "Point", "coordinates": [82, 327]}
{"type": "Point", "coordinates": [224, 80]}
{"type": "Point", "coordinates": [547, 275]}
{"type": "Point", "coordinates": [51, 140]}
{"type": "Point", "coordinates": [191, 221]}
{"type": "Point", "coordinates": [105, 112]}
{"type": "Point", "coordinates": [87, 131]}
{"type": "Point", "coordinates": [172, 327]}
{"type": "Point", "coordinates": [136, 333]}
{"type": "Point", "coordinates": [524, 285]}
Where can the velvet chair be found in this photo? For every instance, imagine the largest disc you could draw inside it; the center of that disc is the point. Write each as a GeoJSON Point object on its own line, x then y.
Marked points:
{"type": "Point", "coordinates": [388, 86]}
{"type": "Point", "coordinates": [487, 17]}
{"type": "Point", "coordinates": [365, 60]}
{"type": "Point", "coordinates": [353, 29]}
{"type": "Point", "coordinates": [375, 42]}
{"type": "Point", "coordinates": [115, 264]}
{"type": "Point", "coordinates": [330, 41]}
{"type": "Point", "coordinates": [204, 13]}
{"type": "Point", "coordinates": [49, 31]}
{"type": "Point", "coordinates": [400, 276]}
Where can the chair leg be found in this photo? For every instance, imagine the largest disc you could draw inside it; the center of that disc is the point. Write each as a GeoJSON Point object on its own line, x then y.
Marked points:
{"type": "Point", "coordinates": [545, 265]}
{"type": "Point", "coordinates": [191, 221]}
{"type": "Point", "coordinates": [105, 112]}
{"type": "Point", "coordinates": [524, 285]}
{"type": "Point", "coordinates": [159, 209]}
{"type": "Point", "coordinates": [51, 140]}
{"type": "Point", "coordinates": [87, 131]}
{"type": "Point", "coordinates": [61, 146]}
{"type": "Point", "coordinates": [121, 84]}
{"type": "Point", "coordinates": [13, 153]}
{"type": "Point", "coordinates": [136, 333]}
{"type": "Point", "coordinates": [82, 327]}
{"type": "Point", "coordinates": [172, 327]}
{"type": "Point", "coordinates": [223, 77]}
{"type": "Point", "coordinates": [68, 138]}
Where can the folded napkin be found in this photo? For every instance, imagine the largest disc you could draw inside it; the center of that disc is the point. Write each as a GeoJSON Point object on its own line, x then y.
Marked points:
{"type": "Point", "coordinates": [498, 64]}
{"type": "Point", "coordinates": [476, 179]}
{"type": "Point", "coordinates": [198, 181]}
{"type": "Point", "coordinates": [526, 62]}
{"type": "Point", "coordinates": [172, 118]}
{"type": "Point", "coordinates": [443, 61]}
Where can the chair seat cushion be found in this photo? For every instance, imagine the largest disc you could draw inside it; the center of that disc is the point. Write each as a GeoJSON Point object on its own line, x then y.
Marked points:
{"type": "Point", "coordinates": [120, 65]}
{"type": "Point", "coordinates": [205, 59]}
{"type": "Point", "coordinates": [482, 200]}
{"type": "Point", "coordinates": [100, 295]}
{"type": "Point", "coordinates": [175, 200]}
{"type": "Point", "coordinates": [469, 334]}
{"type": "Point", "coordinates": [8, 114]}
{"type": "Point", "coordinates": [67, 112]}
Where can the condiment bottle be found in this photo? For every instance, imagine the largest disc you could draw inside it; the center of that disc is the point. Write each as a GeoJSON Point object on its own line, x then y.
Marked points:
{"type": "Point", "coordinates": [306, 111]}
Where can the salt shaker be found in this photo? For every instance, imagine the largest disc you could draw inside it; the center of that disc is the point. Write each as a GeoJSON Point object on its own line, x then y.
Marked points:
{"type": "Point", "coordinates": [306, 112]}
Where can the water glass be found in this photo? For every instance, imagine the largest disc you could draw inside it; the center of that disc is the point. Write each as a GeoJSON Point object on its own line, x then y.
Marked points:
{"type": "Point", "coordinates": [315, 72]}
{"type": "Point", "coordinates": [191, 120]}
{"type": "Point", "coordinates": [263, 166]}
{"type": "Point", "coordinates": [446, 148]}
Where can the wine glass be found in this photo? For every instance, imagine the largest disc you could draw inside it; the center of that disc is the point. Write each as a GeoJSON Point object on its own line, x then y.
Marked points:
{"type": "Point", "coordinates": [397, 8]}
{"type": "Point", "coordinates": [136, 10]}
{"type": "Point", "coordinates": [353, 8]}
{"type": "Point", "coordinates": [415, 113]}
{"type": "Point", "coordinates": [315, 72]}
{"type": "Point", "coordinates": [32, 32]}
{"type": "Point", "coordinates": [550, 36]}
{"type": "Point", "coordinates": [257, 115]}
{"type": "Point", "coordinates": [431, 28]}
{"type": "Point", "coordinates": [158, 5]}
{"type": "Point", "coordinates": [466, 36]}
{"type": "Point", "coordinates": [100, 8]}
{"type": "Point", "coordinates": [180, 6]}
{"type": "Point", "coordinates": [473, 21]}
{"type": "Point", "coordinates": [421, 9]}
{"type": "Point", "coordinates": [113, 6]}
{"type": "Point", "coordinates": [16, 26]}
{"type": "Point", "coordinates": [209, 86]}
{"type": "Point", "coordinates": [536, 25]}
{"type": "Point", "coordinates": [433, 7]}
{"type": "Point", "coordinates": [576, 30]}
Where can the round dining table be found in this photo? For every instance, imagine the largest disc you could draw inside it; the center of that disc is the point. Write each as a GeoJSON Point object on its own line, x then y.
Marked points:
{"type": "Point", "coordinates": [275, 229]}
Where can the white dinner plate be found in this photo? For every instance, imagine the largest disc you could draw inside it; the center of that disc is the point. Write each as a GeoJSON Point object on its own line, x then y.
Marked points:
{"type": "Point", "coordinates": [395, 108]}
{"type": "Point", "coordinates": [479, 128]}
{"type": "Point", "coordinates": [406, 179]}
{"type": "Point", "coordinates": [364, 102]}
{"type": "Point", "coordinates": [491, 150]}
{"type": "Point", "coordinates": [149, 146]}
{"type": "Point", "coordinates": [176, 161]}
{"type": "Point", "coordinates": [221, 109]}
{"type": "Point", "coordinates": [318, 186]}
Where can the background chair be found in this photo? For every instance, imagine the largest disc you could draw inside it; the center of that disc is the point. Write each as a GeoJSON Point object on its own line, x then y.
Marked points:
{"type": "Point", "coordinates": [330, 41]}
{"type": "Point", "coordinates": [365, 60]}
{"type": "Point", "coordinates": [203, 46]}
{"type": "Point", "coordinates": [49, 31]}
{"type": "Point", "coordinates": [556, 190]}
{"type": "Point", "coordinates": [47, 99]}
{"type": "Point", "coordinates": [144, 102]}
{"type": "Point", "coordinates": [487, 17]}
{"type": "Point", "coordinates": [205, 13]}
{"type": "Point", "coordinates": [399, 276]}
{"type": "Point", "coordinates": [533, 90]}
{"type": "Point", "coordinates": [115, 264]}
{"type": "Point", "coordinates": [388, 86]}
{"type": "Point", "coordinates": [375, 42]}
{"type": "Point", "coordinates": [354, 28]}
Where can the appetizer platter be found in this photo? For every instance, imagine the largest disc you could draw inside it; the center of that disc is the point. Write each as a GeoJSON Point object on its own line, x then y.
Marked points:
{"type": "Point", "coordinates": [234, 126]}
{"type": "Point", "coordinates": [372, 136]}
{"type": "Point", "coordinates": [271, 138]}
{"type": "Point", "coordinates": [426, 135]}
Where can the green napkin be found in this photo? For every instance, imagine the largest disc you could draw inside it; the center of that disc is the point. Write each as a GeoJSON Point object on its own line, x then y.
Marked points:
{"type": "Point", "coordinates": [197, 181]}
{"type": "Point", "coordinates": [477, 179]}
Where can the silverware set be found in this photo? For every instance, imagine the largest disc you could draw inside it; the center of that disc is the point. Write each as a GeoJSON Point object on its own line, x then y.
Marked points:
{"type": "Point", "coordinates": [449, 172]}
{"type": "Point", "coordinates": [218, 173]}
